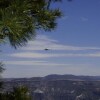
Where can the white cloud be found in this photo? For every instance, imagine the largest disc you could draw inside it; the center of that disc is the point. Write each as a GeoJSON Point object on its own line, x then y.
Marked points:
{"type": "Point", "coordinates": [42, 70]}
{"type": "Point", "coordinates": [65, 17]}
{"type": "Point", "coordinates": [43, 42]}
{"type": "Point", "coordinates": [84, 19]}
{"type": "Point", "coordinates": [34, 63]}
{"type": "Point", "coordinates": [24, 62]}
{"type": "Point", "coordinates": [49, 55]}
{"type": "Point", "coordinates": [45, 38]}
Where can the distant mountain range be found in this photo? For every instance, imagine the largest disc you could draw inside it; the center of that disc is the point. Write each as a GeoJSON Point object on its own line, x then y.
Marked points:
{"type": "Point", "coordinates": [73, 77]}
{"type": "Point", "coordinates": [58, 77]}
{"type": "Point", "coordinates": [58, 87]}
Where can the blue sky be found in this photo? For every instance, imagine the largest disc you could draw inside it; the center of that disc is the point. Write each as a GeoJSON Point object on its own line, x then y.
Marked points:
{"type": "Point", "coordinates": [74, 46]}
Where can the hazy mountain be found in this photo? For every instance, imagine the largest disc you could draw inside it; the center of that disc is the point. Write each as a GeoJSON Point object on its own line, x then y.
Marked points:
{"type": "Point", "coordinates": [73, 77]}
{"type": "Point", "coordinates": [58, 87]}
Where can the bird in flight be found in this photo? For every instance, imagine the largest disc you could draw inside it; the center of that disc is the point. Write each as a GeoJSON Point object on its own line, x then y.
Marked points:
{"type": "Point", "coordinates": [46, 49]}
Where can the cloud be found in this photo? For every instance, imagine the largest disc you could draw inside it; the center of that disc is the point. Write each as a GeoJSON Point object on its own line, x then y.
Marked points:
{"type": "Point", "coordinates": [84, 19]}
{"type": "Point", "coordinates": [35, 49]}
{"type": "Point", "coordinates": [43, 42]}
{"type": "Point", "coordinates": [42, 70]}
{"type": "Point", "coordinates": [50, 55]}
{"type": "Point", "coordinates": [65, 17]}
{"type": "Point", "coordinates": [24, 62]}
{"type": "Point", "coordinates": [35, 63]}
{"type": "Point", "coordinates": [45, 38]}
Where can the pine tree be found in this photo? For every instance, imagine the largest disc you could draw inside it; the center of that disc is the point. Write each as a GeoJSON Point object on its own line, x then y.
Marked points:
{"type": "Point", "coordinates": [19, 19]}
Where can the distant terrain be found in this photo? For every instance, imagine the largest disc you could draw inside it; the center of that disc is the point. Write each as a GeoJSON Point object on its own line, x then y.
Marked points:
{"type": "Point", "coordinates": [58, 87]}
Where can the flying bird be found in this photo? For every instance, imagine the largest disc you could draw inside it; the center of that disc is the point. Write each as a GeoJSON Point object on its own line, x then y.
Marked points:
{"type": "Point", "coordinates": [46, 49]}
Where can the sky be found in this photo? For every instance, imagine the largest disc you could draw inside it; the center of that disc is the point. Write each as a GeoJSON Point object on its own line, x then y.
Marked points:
{"type": "Point", "coordinates": [73, 47]}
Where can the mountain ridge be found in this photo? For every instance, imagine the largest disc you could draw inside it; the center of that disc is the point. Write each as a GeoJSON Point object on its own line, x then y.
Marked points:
{"type": "Point", "coordinates": [58, 77]}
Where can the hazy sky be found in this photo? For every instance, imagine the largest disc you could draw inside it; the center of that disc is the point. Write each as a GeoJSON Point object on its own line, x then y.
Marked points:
{"type": "Point", "coordinates": [74, 47]}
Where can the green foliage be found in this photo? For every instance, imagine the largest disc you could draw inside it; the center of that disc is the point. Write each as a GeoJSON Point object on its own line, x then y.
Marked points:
{"type": "Point", "coordinates": [18, 93]}
{"type": "Point", "coordinates": [1, 67]}
{"type": "Point", "coordinates": [19, 19]}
